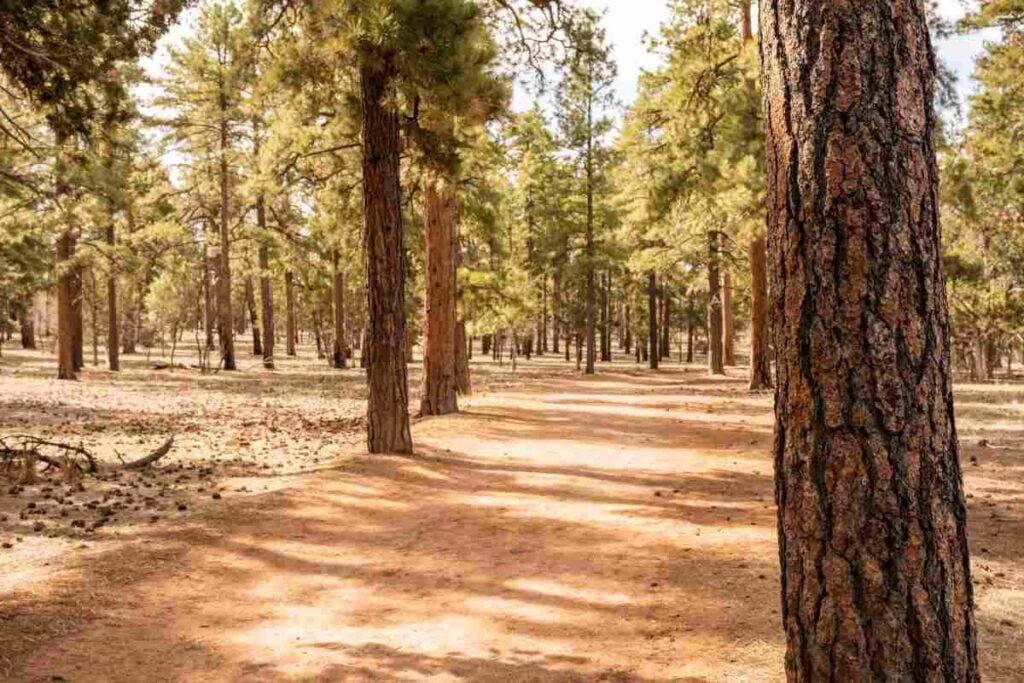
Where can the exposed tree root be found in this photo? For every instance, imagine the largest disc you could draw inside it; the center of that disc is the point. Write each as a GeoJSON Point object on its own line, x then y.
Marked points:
{"type": "Point", "coordinates": [19, 454]}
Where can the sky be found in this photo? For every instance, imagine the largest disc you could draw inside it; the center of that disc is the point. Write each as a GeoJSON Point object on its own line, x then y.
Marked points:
{"type": "Point", "coordinates": [626, 22]}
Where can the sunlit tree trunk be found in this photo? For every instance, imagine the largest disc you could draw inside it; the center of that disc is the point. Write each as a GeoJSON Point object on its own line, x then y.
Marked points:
{"type": "Point", "coordinates": [388, 428]}
{"type": "Point", "coordinates": [876, 581]}
{"type": "Point", "coordinates": [440, 389]}
{"type": "Point", "coordinates": [266, 290]}
{"type": "Point", "coordinates": [250, 304]}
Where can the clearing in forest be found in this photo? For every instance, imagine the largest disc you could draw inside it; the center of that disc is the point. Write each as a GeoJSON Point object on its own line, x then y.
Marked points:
{"type": "Point", "coordinates": [618, 528]}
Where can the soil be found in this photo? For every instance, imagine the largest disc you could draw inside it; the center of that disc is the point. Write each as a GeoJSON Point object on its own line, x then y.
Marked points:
{"type": "Point", "coordinates": [562, 528]}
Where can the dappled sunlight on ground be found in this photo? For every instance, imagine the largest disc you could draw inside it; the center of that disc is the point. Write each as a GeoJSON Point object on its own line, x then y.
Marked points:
{"type": "Point", "coordinates": [619, 528]}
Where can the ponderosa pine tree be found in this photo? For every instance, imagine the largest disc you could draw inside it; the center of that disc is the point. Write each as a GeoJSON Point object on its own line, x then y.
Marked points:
{"type": "Point", "coordinates": [876, 580]}
{"type": "Point", "coordinates": [584, 95]}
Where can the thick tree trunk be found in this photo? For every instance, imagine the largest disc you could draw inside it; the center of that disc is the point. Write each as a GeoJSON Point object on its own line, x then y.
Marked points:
{"type": "Point", "coordinates": [250, 305]}
{"type": "Point", "coordinates": [652, 320]}
{"type": "Point", "coordinates": [716, 364]}
{"type": "Point", "coordinates": [876, 581]}
{"type": "Point", "coordinates": [760, 359]}
{"type": "Point", "coordinates": [440, 388]}
{"type": "Point", "coordinates": [388, 411]}
{"type": "Point", "coordinates": [289, 313]}
{"type": "Point", "coordinates": [339, 353]}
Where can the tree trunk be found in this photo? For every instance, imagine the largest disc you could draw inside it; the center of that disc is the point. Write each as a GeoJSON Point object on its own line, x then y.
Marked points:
{"type": "Point", "coordinates": [715, 361]}
{"type": "Point", "coordinates": [28, 326]}
{"type": "Point", "coordinates": [250, 305]}
{"type": "Point", "coordinates": [728, 335]}
{"type": "Point", "coordinates": [760, 360]}
{"type": "Point", "coordinates": [604, 318]}
{"type": "Point", "coordinates": [690, 314]}
{"type": "Point", "coordinates": [77, 320]}
{"type": "Point", "coordinates": [225, 331]}
{"type": "Point", "coordinates": [388, 411]}
{"type": "Point", "coordinates": [289, 313]}
{"type": "Point", "coordinates": [652, 320]}
{"type": "Point", "coordinates": [65, 291]}
{"type": "Point", "coordinates": [113, 338]}
{"type": "Point", "coordinates": [666, 325]}
{"type": "Point", "coordinates": [556, 311]}
{"type": "Point", "coordinates": [876, 580]}
{"type": "Point", "coordinates": [266, 293]}
{"type": "Point", "coordinates": [440, 388]}
{"type": "Point", "coordinates": [627, 334]}
{"type": "Point", "coordinates": [339, 355]}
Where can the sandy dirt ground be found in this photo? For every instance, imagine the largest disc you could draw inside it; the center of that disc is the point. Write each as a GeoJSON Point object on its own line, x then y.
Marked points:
{"type": "Point", "coordinates": [617, 528]}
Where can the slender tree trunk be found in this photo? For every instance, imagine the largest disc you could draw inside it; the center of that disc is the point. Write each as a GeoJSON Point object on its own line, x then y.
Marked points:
{"type": "Point", "coordinates": [690, 315]}
{"type": "Point", "coordinates": [225, 331]}
{"type": "Point", "coordinates": [77, 320]}
{"type": "Point", "coordinates": [266, 291]}
{"type": "Point", "coordinates": [876, 581]}
{"type": "Point", "coordinates": [760, 360]}
{"type": "Point", "coordinates": [715, 360]}
{"type": "Point", "coordinates": [666, 325]}
{"type": "Point", "coordinates": [209, 311]}
{"type": "Point", "coordinates": [339, 355]}
{"type": "Point", "coordinates": [556, 311]}
{"type": "Point", "coordinates": [113, 338]}
{"type": "Point", "coordinates": [591, 285]}
{"type": "Point", "coordinates": [65, 274]}
{"type": "Point", "coordinates": [604, 317]}
{"type": "Point", "coordinates": [652, 320]}
{"type": "Point", "coordinates": [65, 291]}
{"type": "Point", "coordinates": [250, 305]}
{"type": "Point", "coordinates": [542, 344]}
{"type": "Point", "coordinates": [27, 324]}
{"type": "Point", "coordinates": [728, 335]}
{"type": "Point", "coordinates": [289, 312]}
{"type": "Point", "coordinates": [388, 412]}
{"type": "Point", "coordinates": [627, 335]}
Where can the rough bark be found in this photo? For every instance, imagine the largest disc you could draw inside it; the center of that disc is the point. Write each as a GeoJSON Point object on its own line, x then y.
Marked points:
{"type": "Point", "coordinates": [652, 320]}
{"type": "Point", "coordinates": [760, 359]}
{"type": "Point", "coordinates": [339, 353]}
{"type": "Point", "coordinates": [388, 428]}
{"type": "Point", "coordinates": [440, 388]}
{"type": "Point", "coordinates": [716, 365]}
{"type": "Point", "coordinates": [289, 312]}
{"type": "Point", "coordinates": [876, 581]}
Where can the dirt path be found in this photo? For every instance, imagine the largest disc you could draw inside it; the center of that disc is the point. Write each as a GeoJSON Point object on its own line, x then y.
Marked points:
{"type": "Point", "coordinates": [613, 529]}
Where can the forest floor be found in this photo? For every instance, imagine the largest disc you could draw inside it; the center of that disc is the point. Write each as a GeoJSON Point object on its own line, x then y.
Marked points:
{"type": "Point", "coordinates": [614, 528]}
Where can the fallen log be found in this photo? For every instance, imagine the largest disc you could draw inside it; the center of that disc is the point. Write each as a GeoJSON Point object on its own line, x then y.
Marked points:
{"type": "Point", "coordinates": [21, 448]}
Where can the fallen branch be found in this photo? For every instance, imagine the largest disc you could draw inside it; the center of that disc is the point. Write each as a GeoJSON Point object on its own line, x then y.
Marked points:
{"type": "Point", "coordinates": [23, 449]}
